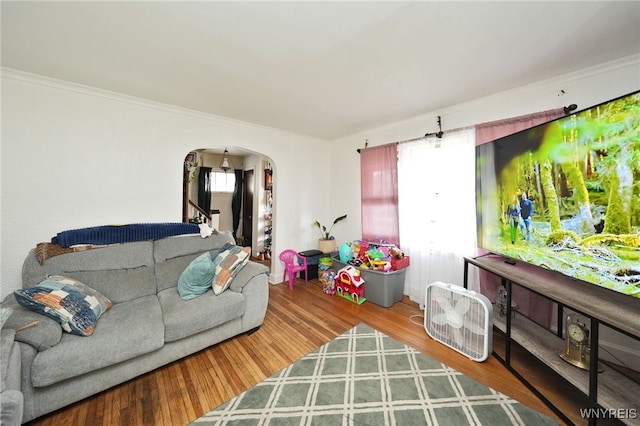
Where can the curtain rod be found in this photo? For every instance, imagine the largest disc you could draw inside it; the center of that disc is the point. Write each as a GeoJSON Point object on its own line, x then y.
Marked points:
{"type": "Point", "coordinates": [567, 110]}
{"type": "Point", "coordinates": [438, 134]}
{"type": "Point", "coordinates": [408, 140]}
{"type": "Point", "coordinates": [391, 143]}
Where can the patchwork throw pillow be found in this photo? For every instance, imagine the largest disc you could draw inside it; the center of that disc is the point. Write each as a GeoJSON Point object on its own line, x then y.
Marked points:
{"type": "Point", "coordinates": [70, 302]}
{"type": "Point", "coordinates": [228, 263]}
{"type": "Point", "coordinates": [196, 279]}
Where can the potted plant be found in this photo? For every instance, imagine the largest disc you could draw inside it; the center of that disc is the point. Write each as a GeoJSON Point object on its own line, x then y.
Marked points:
{"type": "Point", "coordinates": [327, 244]}
{"type": "Point", "coordinates": [191, 171]}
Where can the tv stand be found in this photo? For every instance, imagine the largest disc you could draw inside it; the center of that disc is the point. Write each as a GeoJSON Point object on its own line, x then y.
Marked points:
{"type": "Point", "coordinates": [608, 390]}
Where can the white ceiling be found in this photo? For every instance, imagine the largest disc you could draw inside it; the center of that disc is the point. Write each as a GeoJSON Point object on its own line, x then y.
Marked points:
{"type": "Point", "coordinates": [326, 69]}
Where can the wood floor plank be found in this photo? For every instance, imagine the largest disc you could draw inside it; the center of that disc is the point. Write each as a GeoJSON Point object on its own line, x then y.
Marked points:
{"type": "Point", "coordinates": [161, 405]}
{"type": "Point", "coordinates": [296, 323]}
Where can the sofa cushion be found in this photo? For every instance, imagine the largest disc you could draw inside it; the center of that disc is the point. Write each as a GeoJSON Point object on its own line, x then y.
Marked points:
{"type": "Point", "coordinates": [184, 318]}
{"type": "Point", "coordinates": [169, 248]}
{"type": "Point", "coordinates": [127, 330]}
{"type": "Point", "coordinates": [121, 272]}
{"type": "Point", "coordinates": [42, 336]}
{"type": "Point", "coordinates": [197, 277]}
{"type": "Point", "coordinates": [228, 262]}
{"type": "Point", "coordinates": [76, 306]}
{"type": "Point", "coordinates": [173, 255]}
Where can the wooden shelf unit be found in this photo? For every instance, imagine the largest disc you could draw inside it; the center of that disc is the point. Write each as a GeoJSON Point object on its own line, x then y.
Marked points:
{"type": "Point", "coordinates": [608, 389]}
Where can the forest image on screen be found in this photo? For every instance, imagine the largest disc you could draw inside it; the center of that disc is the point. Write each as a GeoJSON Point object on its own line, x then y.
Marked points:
{"type": "Point", "coordinates": [565, 195]}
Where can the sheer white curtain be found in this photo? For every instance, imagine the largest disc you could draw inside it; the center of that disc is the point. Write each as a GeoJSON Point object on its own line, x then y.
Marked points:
{"type": "Point", "coordinates": [436, 201]}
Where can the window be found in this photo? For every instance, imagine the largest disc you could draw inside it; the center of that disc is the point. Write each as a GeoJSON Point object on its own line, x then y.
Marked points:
{"type": "Point", "coordinates": [222, 182]}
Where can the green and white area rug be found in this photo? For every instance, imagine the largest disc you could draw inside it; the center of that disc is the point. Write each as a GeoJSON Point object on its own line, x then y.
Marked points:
{"type": "Point", "coordinates": [364, 377]}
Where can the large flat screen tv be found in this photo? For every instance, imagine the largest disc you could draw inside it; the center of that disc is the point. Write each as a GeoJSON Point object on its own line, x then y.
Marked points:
{"type": "Point", "coordinates": [565, 195]}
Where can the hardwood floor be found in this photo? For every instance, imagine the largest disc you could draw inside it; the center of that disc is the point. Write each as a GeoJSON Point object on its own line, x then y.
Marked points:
{"type": "Point", "coordinates": [297, 322]}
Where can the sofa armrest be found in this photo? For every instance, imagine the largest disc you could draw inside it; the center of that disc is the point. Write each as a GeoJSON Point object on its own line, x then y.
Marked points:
{"type": "Point", "coordinates": [12, 408]}
{"type": "Point", "coordinates": [45, 334]}
{"type": "Point", "coordinates": [254, 286]}
{"type": "Point", "coordinates": [6, 361]}
{"type": "Point", "coordinates": [248, 271]}
{"type": "Point", "coordinates": [11, 398]}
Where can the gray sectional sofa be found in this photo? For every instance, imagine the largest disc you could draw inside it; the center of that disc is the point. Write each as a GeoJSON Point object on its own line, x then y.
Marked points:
{"type": "Point", "coordinates": [149, 325]}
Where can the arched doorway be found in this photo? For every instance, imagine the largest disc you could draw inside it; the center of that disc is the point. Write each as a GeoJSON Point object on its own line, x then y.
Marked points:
{"type": "Point", "coordinates": [255, 173]}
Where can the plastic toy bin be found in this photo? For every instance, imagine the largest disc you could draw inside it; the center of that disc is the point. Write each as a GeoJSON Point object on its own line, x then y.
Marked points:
{"type": "Point", "coordinates": [381, 288]}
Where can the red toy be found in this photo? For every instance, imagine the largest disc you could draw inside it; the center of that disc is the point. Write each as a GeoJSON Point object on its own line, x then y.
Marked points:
{"type": "Point", "coordinates": [350, 285]}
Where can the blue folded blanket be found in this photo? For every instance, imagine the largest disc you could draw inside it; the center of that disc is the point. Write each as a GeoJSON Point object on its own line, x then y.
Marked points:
{"type": "Point", "coordinates": [113, 234]}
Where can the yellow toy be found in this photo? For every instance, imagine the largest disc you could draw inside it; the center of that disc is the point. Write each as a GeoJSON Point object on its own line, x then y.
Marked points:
{"type": "Point", "coordinates": [380, 265]}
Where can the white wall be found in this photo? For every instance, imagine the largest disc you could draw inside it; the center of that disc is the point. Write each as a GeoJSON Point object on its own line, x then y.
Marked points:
{"type": "Point", "coordinates": [74, 157]}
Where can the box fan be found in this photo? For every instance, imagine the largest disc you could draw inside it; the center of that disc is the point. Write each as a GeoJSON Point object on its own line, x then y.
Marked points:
{"type": "Point", "coordinates": [459, 318]}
